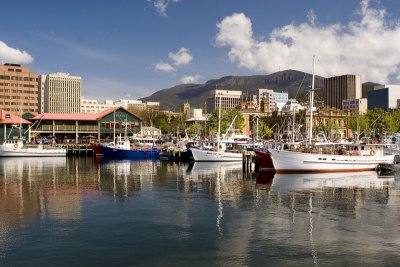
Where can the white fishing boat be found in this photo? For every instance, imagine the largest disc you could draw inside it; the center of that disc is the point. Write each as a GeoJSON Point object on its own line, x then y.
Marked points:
{"type": "Point", "coordinates": [16, 148]}
{"type": "Point", "coordinates": [361, 157]}
{"type": "Point", "coordinates": [211, 155]}
{"type": "Point", "coordinates": [217, 151]}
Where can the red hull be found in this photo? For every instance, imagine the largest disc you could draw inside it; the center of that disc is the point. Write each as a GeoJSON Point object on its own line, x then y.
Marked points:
{"type": "Point", "coordinates": [264, 160]}
{"type": "Point", "coordinates": [96, 149]}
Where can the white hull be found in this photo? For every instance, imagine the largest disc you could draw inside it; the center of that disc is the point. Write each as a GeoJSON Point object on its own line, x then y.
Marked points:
{"type": "Point", "coordinates": [31, 152]}
{"type": "Point", "coordinates": [289, 161]}
{"type": "Point", "coordinates": [206, 155]}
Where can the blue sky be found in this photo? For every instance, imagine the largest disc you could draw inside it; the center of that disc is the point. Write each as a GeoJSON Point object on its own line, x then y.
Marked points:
{"type": "Point", "coordinates": [130, 49]}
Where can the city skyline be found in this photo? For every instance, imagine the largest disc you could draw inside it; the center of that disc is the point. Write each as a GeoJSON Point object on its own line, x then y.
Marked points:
{"type": "Point", "coordinates": [133, 49]}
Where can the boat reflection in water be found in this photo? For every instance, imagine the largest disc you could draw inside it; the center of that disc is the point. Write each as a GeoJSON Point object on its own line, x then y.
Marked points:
{"type": "Point", "coordinates": [122, 177]}
{"type": "Point", "coordinates": [304, 182]}
{"type": "Point", "coordinates": [205, 168]}
{"type": "Point", "coordinates": [222, 180]}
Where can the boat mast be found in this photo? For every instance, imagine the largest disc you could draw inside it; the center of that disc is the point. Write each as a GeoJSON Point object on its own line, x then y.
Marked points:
{"type": "Point", "coordinates": [311, 103]}
{"type": "Point", "coordinates": [293, 125]}
{"type": "Point", "coordinates": [219, 122]}
{"type": "Point", "coordinates": [114, 129]}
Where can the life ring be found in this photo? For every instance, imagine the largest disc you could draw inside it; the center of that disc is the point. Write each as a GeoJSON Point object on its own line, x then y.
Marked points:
{"type": "Point", "coordinates": [372, 152]}
{"type": "Point", "coordinates": [16, 146]}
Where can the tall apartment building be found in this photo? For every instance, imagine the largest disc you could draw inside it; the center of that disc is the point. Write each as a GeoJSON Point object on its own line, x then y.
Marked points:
{"type": "Point", "coordinates": [339, 88]}
{"type": "Point", "coordinates": [18, 89]}
{"type": "Point", "coordinates": [229, 100]}
{"type": "Point", "coordinates": [61, 93]}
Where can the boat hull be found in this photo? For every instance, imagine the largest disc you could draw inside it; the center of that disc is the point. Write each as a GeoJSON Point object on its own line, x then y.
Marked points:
{"type": "Point", "coordinates": [110, 152]}
{"type": "Point", "coordinates": [32, 152]}
{"type": "Point", "coordinates": [96, 149]}
{"type": "Point", "coordinates": [264, 160]}
{"type": "Point", "coordinates": [206, 155]}
{"type": "Point", "coordinates": [298, 162]}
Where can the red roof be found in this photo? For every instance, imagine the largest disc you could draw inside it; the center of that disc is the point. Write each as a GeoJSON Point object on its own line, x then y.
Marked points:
{"type": "Point", "coordinates": [7, 117]}
{"type": "Point", "coordinates": [66, 117]}
{"type": "Point", "coordinates": [76, 116]}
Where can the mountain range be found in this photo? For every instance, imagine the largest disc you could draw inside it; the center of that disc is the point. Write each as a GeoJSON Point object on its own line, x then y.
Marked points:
{"type": "Point", "coordinates": [294, 82]}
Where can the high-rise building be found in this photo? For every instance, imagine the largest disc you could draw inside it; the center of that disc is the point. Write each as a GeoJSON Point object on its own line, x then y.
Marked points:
{"type": "Point", "coordinates": [62, 93]}
{"type": "Point", "coordinates": [229, 100]}
{"type": "Point", "coordinates": [18, 89]}
{"type": "Point", "coordinates": [384, 96]}
{"type": "Point", "coordinates": [41, 91]}
{"type": "Point", "coordinates": [339, 88]}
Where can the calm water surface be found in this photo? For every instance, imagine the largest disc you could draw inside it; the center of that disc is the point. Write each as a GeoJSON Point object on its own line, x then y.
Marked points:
{"type": "Point", "coordinates": [85, 212]}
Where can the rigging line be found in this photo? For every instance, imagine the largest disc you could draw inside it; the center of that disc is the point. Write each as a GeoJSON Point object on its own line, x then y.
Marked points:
{"type": "Point", "coordinates": [300, 85]}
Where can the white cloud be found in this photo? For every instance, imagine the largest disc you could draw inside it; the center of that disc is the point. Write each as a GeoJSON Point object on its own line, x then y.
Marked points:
{"type": "Point", "coordinates": [162, 5]}
{"type": "Point", "coordinates": [13, 55]}
{"type": "Point", "coordinates": [182, 57]}
{"type": "Point", "coordinates": [367, 46]}
{"type": "Point", "coordinates": [162, 66]}
{"type": "Point", "coordinates": [190, 79]}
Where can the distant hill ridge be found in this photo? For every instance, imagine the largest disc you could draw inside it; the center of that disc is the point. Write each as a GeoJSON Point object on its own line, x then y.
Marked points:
{"type": "Point", "coordinates": [294, 82]}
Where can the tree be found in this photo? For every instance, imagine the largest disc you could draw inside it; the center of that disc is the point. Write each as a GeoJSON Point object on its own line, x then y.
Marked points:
{"type": "Point", "coordinates": [162, 124]}
{"type": "Point", "coordinates": [357, 122]}
{"type": "Point", "coordinates": [177, 124]}
{"type": "Point", "coordinates": [264, 131]}
{"type": "Point", "coordinates": [193, 129]}
{"type": "Point", "coordinates": [227, 117]}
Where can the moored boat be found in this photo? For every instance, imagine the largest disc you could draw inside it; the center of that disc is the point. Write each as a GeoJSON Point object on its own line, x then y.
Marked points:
{"type": "Point", "coordinates": [264, 160]}
{"type": "Point", "coordinates": [365, 157]}
{"type": "Point", "coordinates": [123, 149]}
{"type": "Point", "coordinates": [16, 148]}
{"type": "Point", "coordinates": [211, 155]}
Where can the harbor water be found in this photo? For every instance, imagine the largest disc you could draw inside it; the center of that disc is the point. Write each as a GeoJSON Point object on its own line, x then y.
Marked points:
{"type": "Point", "coordinates": [89, 212]}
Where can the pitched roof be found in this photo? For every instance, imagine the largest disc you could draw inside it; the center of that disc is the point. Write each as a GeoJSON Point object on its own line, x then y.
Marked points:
{"type": "Point", "coordinates": [66, 116]}
{"type": "Point", "coordinates": [78, 116]}
{"type": "Point", "coordinates": [7, 117]}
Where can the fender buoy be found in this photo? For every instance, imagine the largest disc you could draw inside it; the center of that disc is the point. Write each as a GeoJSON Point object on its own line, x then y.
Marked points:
{"type": "Point", "coordinates": [16, 145]}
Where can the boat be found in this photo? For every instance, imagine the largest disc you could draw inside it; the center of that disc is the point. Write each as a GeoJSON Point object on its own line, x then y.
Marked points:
{"type": "Point", "coordinates": [16, 148]}
{"type": "Point", "coordinates": [394, 167]}
{"type": "Point", "coordinates": [96, 149]}
{"type": "Point", "coordinates": [123, 150]}
{"type": "Point", "coordinates": [347, 158]}
{"type": "Point", "coordinates": [211, 155]}
{"type": "Point", "coordinates": [264, 160]}
{"type": "Point", "coordinates": [362, 157]}
{"type": "Point", "coordinates": [217, 151]}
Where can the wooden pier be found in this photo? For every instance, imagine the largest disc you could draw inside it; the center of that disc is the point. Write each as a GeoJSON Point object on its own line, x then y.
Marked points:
{"type": "Point", "coordinates": [249, 159]}
{"type": "Point", "coordinates": [78, 149]}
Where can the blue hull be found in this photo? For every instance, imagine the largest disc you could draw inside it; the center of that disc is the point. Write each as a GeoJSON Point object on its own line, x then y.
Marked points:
{"type": "Point", "coordinates": [128, 154]}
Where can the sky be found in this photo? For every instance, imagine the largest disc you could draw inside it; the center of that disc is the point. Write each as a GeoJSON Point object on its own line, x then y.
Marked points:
{"type": "Point", "coordinates": [131, 49]}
